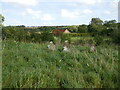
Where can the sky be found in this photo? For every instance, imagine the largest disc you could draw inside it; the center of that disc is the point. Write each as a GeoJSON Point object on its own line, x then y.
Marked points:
{"type": "Point", "coordinates": [57, 12]}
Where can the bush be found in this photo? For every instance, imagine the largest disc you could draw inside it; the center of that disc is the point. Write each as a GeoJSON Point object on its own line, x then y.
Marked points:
{"type": "Point", "coordinates": [78, 34]}
{"type": "Point", "coordinates": [98, 39]}
{"type": "Point", "coordinates": [34, 37]}
{"type": "Point", "coordinates": [46, 36]}
{"type": "Point", "coordinates": [116, 37]}
{"type": "Point", "coordinates": [64, 37]}
{"type": "Point", "coordinates": [9, 32]}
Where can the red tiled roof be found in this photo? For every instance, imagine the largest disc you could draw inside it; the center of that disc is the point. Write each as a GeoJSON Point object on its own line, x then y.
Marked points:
{"type": "Point", "coordinates": [57, 31]}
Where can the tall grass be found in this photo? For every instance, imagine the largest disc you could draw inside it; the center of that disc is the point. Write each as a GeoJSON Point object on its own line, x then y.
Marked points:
{"type": "Point", "coordinates": [27, 65]}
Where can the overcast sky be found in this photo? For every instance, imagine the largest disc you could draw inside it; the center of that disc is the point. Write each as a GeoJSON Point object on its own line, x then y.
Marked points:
{"type": "Point", "coordinates": [119, 12]}
{"type": "Point", "coordinates": [57, 12]}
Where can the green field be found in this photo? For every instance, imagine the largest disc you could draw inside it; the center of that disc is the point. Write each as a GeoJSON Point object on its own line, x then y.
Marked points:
{"type": "Point", "coordinates": [33, 65]}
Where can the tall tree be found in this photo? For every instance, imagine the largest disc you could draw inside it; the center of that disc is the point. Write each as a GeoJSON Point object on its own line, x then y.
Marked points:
{"type": "Point", "coordinates": [82, 28]}
{"type": "Point", "coordinates": [96, 26]}
{"type": "Point", "coordinates": [111, 25]}
{"type": "Point", "coordinates": [1, 25]}
{"type": "Point", "coordinates": [1, 21]}
{"type": "Point", "coordinates": [112, 29]}
{"type": "Point", "coordinates": [73, 28]}
{"type": "Point", "coordinates": [96, 21]}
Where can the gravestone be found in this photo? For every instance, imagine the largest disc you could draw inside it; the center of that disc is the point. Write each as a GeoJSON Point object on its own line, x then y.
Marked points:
{"type": "Point", "coordinates": [51, 46]}
{"type": "Point", "coordinates": [93, 48]}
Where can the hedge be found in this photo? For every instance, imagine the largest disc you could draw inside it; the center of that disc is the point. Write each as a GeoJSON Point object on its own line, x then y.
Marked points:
{"type": "Point", "coordinates": [79, 34]}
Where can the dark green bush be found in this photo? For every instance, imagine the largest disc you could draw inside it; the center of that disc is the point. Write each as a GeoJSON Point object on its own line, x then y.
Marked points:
{"type": "Point", "coordinates": [98, 39]}
{"type": "Point", "coordinates": [78, 34]}
{"type": "Point", "coordinates": [46, 36]}
{"type": "Point", "coordinates": [65, 37]}
{"type": "Point", "coordinates": [116, 37]}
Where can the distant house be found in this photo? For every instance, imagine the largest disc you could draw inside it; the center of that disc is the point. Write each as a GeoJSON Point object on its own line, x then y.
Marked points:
{"type": "Point", "coordinates": [57, 31]}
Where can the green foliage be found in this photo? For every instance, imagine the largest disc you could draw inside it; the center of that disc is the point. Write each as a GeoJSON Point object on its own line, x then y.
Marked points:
{"type": "Point", "coordinates": [73, 28]}
{"type": "Point", "coordinates": [83, 40]}
{"type": "Point", "coordinates": [37, 67]}
{"type": "Point", "coordinates": [1, 19]}
{"type": "Point", "coordinates": [98, 39]}
{"type": "Point", "coordinates": [100, 29]}
{"type": "Point", "coordinates": [96, 27]}
{"type": "Point", "coordinates": [96, 21]}
{"type": "Point", "coordinates": [92, 28]}
{"type": "Point", "coordinates": [1, 25]}
{"type": "Point", "coordinates": [46, 36]}
{"type": "Point", "coordinates": [82, 28]}
{"type": "Point", "coordinates": [9, 32]}
{"type": "Point", "coordinates": [34, 37]}
{"type": "Point", "coordinates": [111, 27]}
{"type": "Point", "coordinates": [20, 34]}
{"type": "Point", "coordinates": [65, 37]}
{"type": "Point", "coordinates": [78, 34]}
{"type": "Point", "coordinates": [116, 35]}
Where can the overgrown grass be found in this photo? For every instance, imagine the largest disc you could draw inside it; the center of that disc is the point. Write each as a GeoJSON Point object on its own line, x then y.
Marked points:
{"type": "Point", "coordinates": [27, 65]}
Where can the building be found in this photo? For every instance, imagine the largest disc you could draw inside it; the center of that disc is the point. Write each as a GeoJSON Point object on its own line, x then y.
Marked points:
{"type": "Point", "coordinates": [57, 31]}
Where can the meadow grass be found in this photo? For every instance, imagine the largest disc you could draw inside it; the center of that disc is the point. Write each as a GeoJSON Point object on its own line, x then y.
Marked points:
{"type": "Point", "coordinates": [27, 65]}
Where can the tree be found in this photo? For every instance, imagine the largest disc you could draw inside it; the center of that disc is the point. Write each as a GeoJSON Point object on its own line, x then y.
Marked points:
{"type": "Point", "coordinates": [46, 36]}
{"type": "Point", "coordinates": [96, 26]}
{"type": "Point", "coordinates": [96, 21]}
{"type": "Point", "coordinates": [111, 26]}
{"type": "Point", "coordinates": [82, 28]}
{"type": "Point", "coordinates": [115, 35]}
{"type": "Point", "coordinates": [73, 28]}
{"type": "Point", "coordinates": [9, 32]}
{"type": "Point", "coordinates": [1, 26]}
{"type": "Point", "coordinates": [92, 28]}
{"type": "Point", "coordinates": [23, 26]}
{"type": "Point", "coordinates": [1, 19]}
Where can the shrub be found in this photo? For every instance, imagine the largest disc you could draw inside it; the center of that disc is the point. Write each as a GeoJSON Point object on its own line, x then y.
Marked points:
{"type": "Point", "coordinates": [98, 39]}
{"type": "Point", "coordinates": [64, 37]}
{"type": "Point", "coordinates": [116, 37]}
{"type": "Point", "coordinates": [9, 32]}
{"type": "Point", "coordinates": [78, 34]}
{"type": "Point", "coordinates": [34, 37]}
{"type": "Point", "coordinates": [46, 36]}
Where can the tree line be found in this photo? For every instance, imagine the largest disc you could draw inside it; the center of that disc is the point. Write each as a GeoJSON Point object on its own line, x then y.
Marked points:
{"type": "Point", "coordinates": [96, 27]}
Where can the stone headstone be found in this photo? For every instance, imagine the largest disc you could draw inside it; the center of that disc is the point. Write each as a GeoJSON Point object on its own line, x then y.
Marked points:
{"type": "Point", "coordinates": [93, 48]}
{"type": "Point", "coordinates": [51, 46]}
